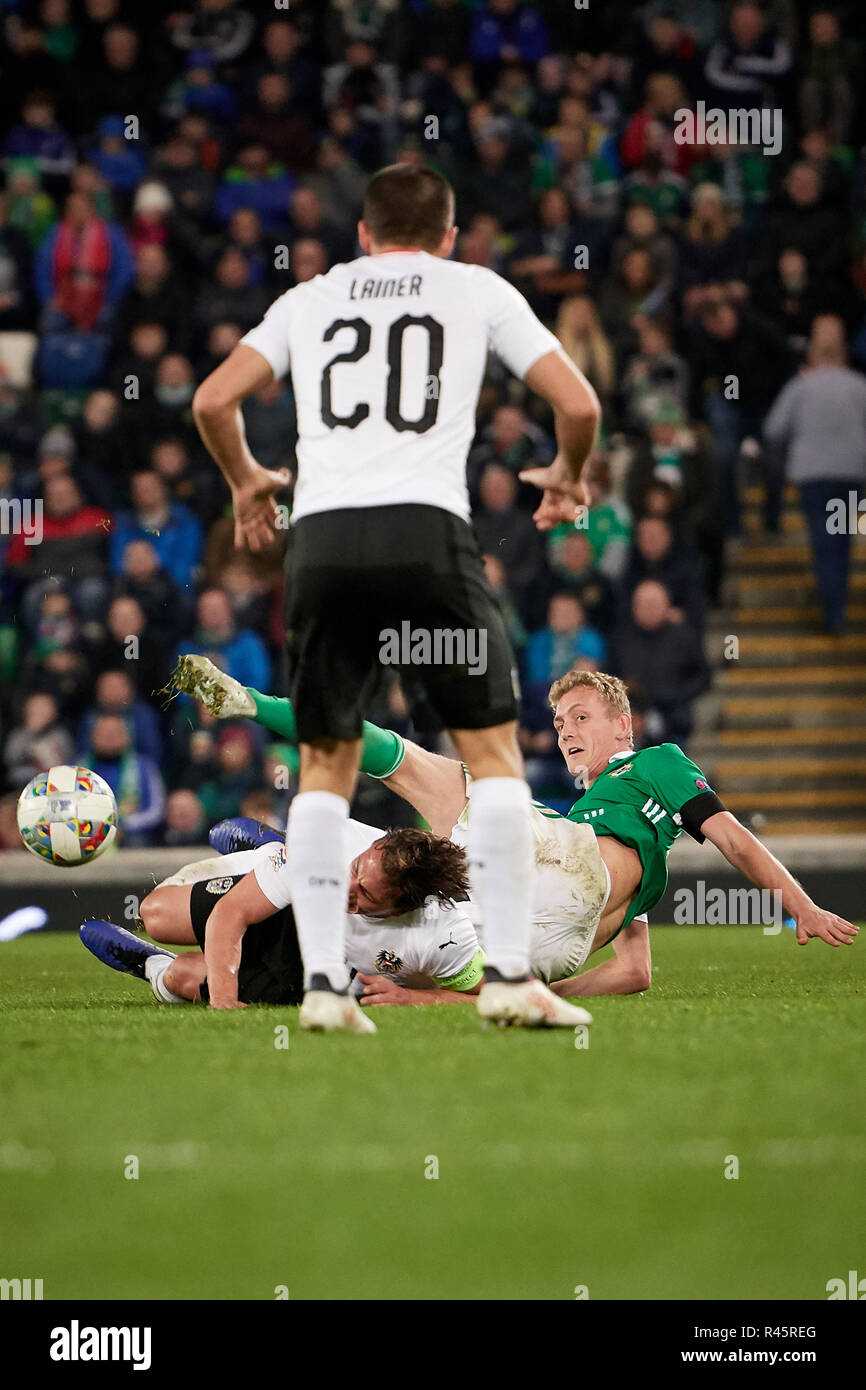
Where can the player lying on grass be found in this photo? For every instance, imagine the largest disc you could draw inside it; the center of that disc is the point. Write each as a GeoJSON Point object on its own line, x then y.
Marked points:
{"type": "Point", "coordinates": [402, 916]}
{"type": "Point", "coordinates": [634, 806]}
{"type": "Point", "coordinates": [407, 923]}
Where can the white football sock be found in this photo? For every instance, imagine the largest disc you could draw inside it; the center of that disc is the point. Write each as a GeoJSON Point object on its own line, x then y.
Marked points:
{"type": "Point", "coordinates": [318, 875]}
{"type": "Point", "coordinates": [155, 968]}
{"type": "Point", "coordinates": [502, 870]}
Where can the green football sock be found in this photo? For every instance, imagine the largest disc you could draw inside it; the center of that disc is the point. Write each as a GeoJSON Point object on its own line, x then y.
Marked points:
{"type": "Point", "coordinates": [382, 751]}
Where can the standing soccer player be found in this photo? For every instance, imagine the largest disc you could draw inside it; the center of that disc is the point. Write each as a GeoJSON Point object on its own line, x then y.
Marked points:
{"type": "Point", "coordinates": [387, 356]}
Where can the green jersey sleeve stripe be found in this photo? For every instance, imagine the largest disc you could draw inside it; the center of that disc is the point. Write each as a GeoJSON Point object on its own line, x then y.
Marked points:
{"type": "Point", "coordinates": [468, 977]}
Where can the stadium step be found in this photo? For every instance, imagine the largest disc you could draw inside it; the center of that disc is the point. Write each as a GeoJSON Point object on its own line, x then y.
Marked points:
{"type": "Point", "coordinates": [773, 825]}
{"type": "Point", "coordinates": [785, 767]}
{"type": "Point", "coordinates": [808, 799]}
{"type": "Point", "coordinates": [793, 556]}
{"type": "Point", "coordinates": [789, 752]}
{"type": "Point", "coordinates": [852, 737]}
{"type": "Point", "coordinates": [786, 648]}
{"type": "Point", "coordinates": [807, 677]}
{"type": "Point", "coordinates": [792, 616]}
{"type": "Point", "coordinates": [758, 586]}
{"type": "Point", "coordinates": [765, 715]}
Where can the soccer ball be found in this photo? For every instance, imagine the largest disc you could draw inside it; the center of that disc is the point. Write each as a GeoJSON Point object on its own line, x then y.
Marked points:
{"type": "Point", "coordinates": [67, 815]}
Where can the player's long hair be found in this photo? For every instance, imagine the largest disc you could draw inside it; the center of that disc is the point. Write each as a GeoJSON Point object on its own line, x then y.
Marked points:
{"type": "Point", "coordinates": [421, 865]}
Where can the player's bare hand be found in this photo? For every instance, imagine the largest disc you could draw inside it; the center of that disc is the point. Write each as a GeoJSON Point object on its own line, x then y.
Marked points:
{"type": "Point", "coordinates": [826, 925]}
{"type": "Point", "coordinates": [255, 507]}
{"type": "Point", "coordinates": [379, 990]}
{"type": "Point", "coordinates": [227, 1004]}
{"type": "Point", "coordinates": [562, 500]}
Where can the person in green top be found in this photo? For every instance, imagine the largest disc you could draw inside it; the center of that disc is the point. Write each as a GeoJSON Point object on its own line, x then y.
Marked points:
{"type": "Point", "coordinates": [635, 803]}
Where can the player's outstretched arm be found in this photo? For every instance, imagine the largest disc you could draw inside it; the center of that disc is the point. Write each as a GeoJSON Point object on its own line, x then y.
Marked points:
{"type": "Point", "coordinates": [216, 410]}
{"type": "Point", "coordinates": [577, 415]}
{"type": "Point", "coordinates": [223, 938]}
{"type": "Point", "coordinates": [754, 860]}
{"type": "Point", "coordinates": [629, 972]}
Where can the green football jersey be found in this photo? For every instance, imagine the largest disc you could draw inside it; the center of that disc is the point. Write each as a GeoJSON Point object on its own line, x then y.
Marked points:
{"type": "Point", "coordinates": [640, 798]}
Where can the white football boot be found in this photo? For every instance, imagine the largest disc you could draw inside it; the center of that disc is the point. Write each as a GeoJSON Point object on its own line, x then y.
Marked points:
{"type": "Point", "coordinates": [528, 1004]}
{"type": "Point", "coordinates": [221, 694]}
{"type": "Point", "coordinates": [323, 1011]}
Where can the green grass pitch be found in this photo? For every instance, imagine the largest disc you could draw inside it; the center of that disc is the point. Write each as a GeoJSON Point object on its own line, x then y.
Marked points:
{"type": "Point", "coordinates": [558, 1166]}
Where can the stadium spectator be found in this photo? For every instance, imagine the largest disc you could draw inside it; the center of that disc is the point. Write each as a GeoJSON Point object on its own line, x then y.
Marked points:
{"type": "Point", "coordinates": [73, 544]}
{"type": "Point", "coordinates": [31, 210]}
{"type": "Point", "coordinates": [713, 250]}
{"type": "Point", "coordinates": [608, 523]}
{"type": "Point", "coordinates": [173, 531]}
{"type": "Point", "coordinates": [222, 28]}
{"type": "Point", "coordinates": [280, 124]}
{"type": "Point", "coordinates": [229, 297]}
{"type": "Point", "coordinates": [254, 181]}
{"type": "Point", "coordinates": [819, 423]}
{"type": "Point", "coordinates": [237, 773]}
{"type": "Point", "coordinates": [308, 218]}
{"type": "Point", "coordinates": [507, 31]}
{"type": "Point", "coordinates": [134, 779]}
{"type": "Point", "coordinates": [82, 268]}
{"type": "Point", "coordinates": [167, 608]}
{"type": "Point", "coordinates": [737, 361]}
{"type": "Point", "coordinates": [120, 162]}
{"type": "Point", "coordinates": [749, 61]}
{"type": "Point", "coordinates": [579, 330]}
{"type": "Point", "coordinates": [186, 822]}
{"type": "Point", "coordinates": [830, 74]}
{"type": "Point", "coordinates": [654, 555]}
{"type": "Point", "coordinates": [115, 693]}
{"type": "Point", "coordinates": [236, 650]}
{"type": "Point", "coordinates": [509, 441]}
{"type": "Point", "coordinates": [543, 267]}
{"type": "Point", "coordinates": [39, 137]}
{"type": "Point", "coordinates": [130, 643]}
{"type": "Point", "coordinates": [803, 220]}
{"type": "Point", "coordinates": [498, 581]}
{"type": "Point", "coordinates": [507, 531]}
{"type": "Point", "coordinates": [16, 308]}
{"type": "Point", "coordinates": [566, 638]}
{"type": "Point", "coordinates": [650, 132]}
{"type": "Point", "coordinates": [575, 572]}
{"type": "Point", "coordinates": [40, 740]}
{"type": "Point", "coordinates": [662, 659]}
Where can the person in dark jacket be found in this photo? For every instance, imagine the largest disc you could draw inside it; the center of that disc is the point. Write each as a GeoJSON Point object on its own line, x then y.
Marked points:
{"type": "Point", "coordinates": [661, 660]}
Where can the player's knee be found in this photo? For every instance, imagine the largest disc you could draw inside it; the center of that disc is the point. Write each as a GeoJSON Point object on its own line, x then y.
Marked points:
{"type": "Point", "coordinates": [643, 978]}
{"type": "Point", "coordinates": [153, 913]}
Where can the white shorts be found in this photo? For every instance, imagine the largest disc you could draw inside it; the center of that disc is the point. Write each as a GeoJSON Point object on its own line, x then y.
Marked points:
{"type": "Point", "coordinates": [572, 887]}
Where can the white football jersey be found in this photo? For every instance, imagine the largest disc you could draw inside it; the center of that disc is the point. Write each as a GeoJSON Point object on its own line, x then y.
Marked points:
{"type": "Point", "coordinates": [387, 355]}
{"type": "Point", "coordinates": [434, 943]}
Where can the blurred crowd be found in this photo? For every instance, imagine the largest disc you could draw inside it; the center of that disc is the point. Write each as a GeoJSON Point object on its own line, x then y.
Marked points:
{"type": "Point", "coordinates": [169, 169]}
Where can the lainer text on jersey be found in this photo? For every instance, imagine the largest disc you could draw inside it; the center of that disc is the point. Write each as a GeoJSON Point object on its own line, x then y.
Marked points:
{"type": "Point", "coordinates": [386, 289]}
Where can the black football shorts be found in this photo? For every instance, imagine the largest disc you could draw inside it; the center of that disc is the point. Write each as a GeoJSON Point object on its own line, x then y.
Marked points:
{"type": "Point", "coordinates": [271, 971]}
{"type": "Point", "coordinates": [402, 588]}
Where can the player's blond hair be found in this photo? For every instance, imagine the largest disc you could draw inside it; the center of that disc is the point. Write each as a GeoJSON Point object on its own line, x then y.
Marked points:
{"type": "Point", "coordinates": [610, 689]}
